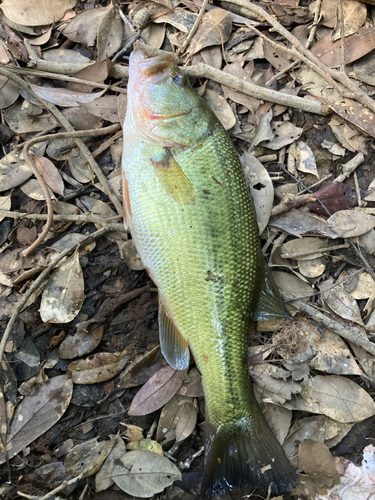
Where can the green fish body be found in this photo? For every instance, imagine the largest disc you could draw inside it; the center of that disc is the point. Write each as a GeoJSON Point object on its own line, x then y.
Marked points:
{"type": "Point", "coordinates": [188, 209]}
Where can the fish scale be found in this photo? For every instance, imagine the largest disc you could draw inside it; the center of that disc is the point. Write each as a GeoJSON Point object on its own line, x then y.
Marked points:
{"type": "Point", "coordinates": [189, 213]}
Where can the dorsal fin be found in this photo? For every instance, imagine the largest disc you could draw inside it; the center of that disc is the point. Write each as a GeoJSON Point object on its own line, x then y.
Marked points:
{"type": "Point", "coordinates": [270, 304]}
{"type": "Point", "coordinates": [174, 346]}
{"type": "Point", "coordinates": [173, 178]}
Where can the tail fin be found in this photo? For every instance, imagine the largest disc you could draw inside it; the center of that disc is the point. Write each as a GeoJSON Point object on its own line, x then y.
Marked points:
{"type": "Point", "coordinates": [240, 454]}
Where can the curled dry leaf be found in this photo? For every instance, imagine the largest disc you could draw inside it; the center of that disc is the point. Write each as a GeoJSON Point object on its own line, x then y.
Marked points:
{"type": "Point", "coordinates": [284, 133]}
{"type": "Point", "coordinates": [305, 160]}
{"type": "Point", "coordinates": [143, 474]}
{"type": "Point", "coordinates": [5, 204]}
{"type": "Point", "coordinates": [341, 303]}
{"type": "Point", "coordinates": [187, 419]}
{"type": "Point", "coordinates": [50, 174]}
{"type": "Point", "coordinates": [157, 391]}
{"type": "Point", "coordinates": [221, 108]}
{"type": "Point", "coordinates": [261, 188]}
{"type": "Point", "coordinates": [98, 367]}
{"type": "Point", "coordinates": [36, 13]}
{"type": "Point", "coordinates": [64, 292]}
{"type": "Point", "coordinates": [215, 29]}
{"type": "Point", "coordinates": [65, 97]}
{"type": "Point", "coordinates": [38, 413]}
{"type": "Point", "coordinates": [88, 457]}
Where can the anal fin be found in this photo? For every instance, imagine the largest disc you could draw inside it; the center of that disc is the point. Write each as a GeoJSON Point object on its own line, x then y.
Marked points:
{"type": "Point", "coordinates": [173, 178]}
{"type": "Point", "coordinates": [270, 304]}
{"type": "Point", "coordinates": [174, 346]}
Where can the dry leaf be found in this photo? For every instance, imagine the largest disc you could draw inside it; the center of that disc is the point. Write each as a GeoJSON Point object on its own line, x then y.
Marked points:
{"type": "Point", "coordinates": [215, 29]}
{"type": "Point", "coordinates": [103, 477]}
{"type": "Point", "coordinates": [339, 398]}
{"type": "Point", "coordinates": [88, 457]}
{"type": "Point", "coordinates": [50, 174]}
{"type": "Point", "coordinates": [9, 92]}
{"type": "Point", "coordinates": [261, 188]}
{"type": "Point", "coordinates": [36, 13]}
{"type": "Point", "coordinates": [284, 133]}
{"type": "Point", "coordinates": [104, 107]}
{"type": "Point", "coordinates": [340, 301]}
{"type": "Point", "coordinates": [63, 294]}
{"type": "Point", "coordinates": [38, 413]}
{"type": "Point", "coordinates": [335, 197]}
{"type": "Point", "coordinates": [64, 97]}
{"type": "Point", "coordinates": [157, 391]}
{"type": "Point", "coordinates": [318, 463]}
{"type": "Point", "coordinates": [298, 223]}
{"type": "Point", "coordinates": [83, 342]}
{"type": "Point", "coordinates": [354, 16]}
{"type": "Point", "coordinates": [187, 419]}
{"type": "Point", "coordinates": [110, 33]}
{"type": "Point", "coordinates": [5, 204]}
{"type": "Point", "coordinates": [356, 46]}
{"type": "Point", "coordinates": [98, 367]}
{"type": "Point", "coordinates": [305, 160]}
{"type": "Point", "coordinates": [220, 107]}
{"type": "Point", "coordinates": [347, 223]}
{"type": "Point", "coordinates": [143, 474]}
{"type": "Point", "coordinates": [146, 445]}
{"type": "Point", "coordinates": [85, 26]}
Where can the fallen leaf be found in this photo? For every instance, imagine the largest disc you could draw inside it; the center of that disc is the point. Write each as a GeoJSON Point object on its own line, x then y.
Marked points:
{"type": "Point", "coordinates": [146, 445]}
{"type": "Point", "coordinates": [305, 160]}
{"type": "Point", "coordinates": [9, 92]}
{"type": "Point", "coordinates": [298, 223]}
{"type": "Point", "coordinates": [50, 174]}
{"type": "Point", "coordinates": [339, 398]}
{"type": "Point", "coordinates": [341, 303]}
{"type": "Point", "coordinates": [356, 46]}
{"type": "Point", "coordinates": [215, 29]}
{"type": "Point", "coordinates": [63, 294]}
{"type": "Point", "coordinates": [80, 344]}
{"type": "Point", "coordinates": [110, 33]}
{"type": "Point", "coordinates": [261, 188]}
{"type": "Point", "coordinates": [354, 16]}
{"type": "Point", "coordinates": [335, 197]}
{"type": "Point", "coordinates": [35, 13]}
{"type": "Point", "coordinates": [5, 204]}
{"type": "Point", "coordinates": [88, 457]}
{"type": "Point", "coordinates": [154, 34]}
{"type": "Point", "coordinates": [220, 107]}
{"type": "Point", "coordinates": [103, 479]}
{"type": "Point", "coordinates": [85, 26]}
{"type": "Point", "coordinates": [38, 413]}
{"type": "Point", "coordinates": [318, 463]}
{"type": "Point", "coordinates": [279, 420]}
{"type": "Point", "coordinates": [104, 107]}
{"type": "Point", "coordinates": [157, 391]}
{"type": "Point", "coordinates": [21, 122]}
{"type": "Point", "coordinates": [143, 474]}
{"type": "Point", "coordinates": [98, 367]}
{"type": "Point", "coordinates": [65, 97]}
{"type": "Point", "coordinates": [187, 419]}
{"type": "Point", "coordinates": [284, 133]}
{"type": "Point", "coordinates": [34, 190]}
{"type": "Point", "coordinates": [348, 223]}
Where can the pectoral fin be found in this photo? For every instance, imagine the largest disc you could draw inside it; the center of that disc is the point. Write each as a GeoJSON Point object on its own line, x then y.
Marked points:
{"type": "Point", "coordinates": [173, 178]}
{"type": "Point", "coordinates": [126, 201]}
{"type": "Point", "coordinates": [270, 304]}
{"type": "Point", "coordinates": [174, 346]}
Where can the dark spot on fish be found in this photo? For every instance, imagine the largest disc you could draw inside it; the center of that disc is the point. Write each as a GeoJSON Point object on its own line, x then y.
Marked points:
{"type": "Point", "coordinates": [206, 191]}
{"type": "Point", "coordinates": [205, 358]}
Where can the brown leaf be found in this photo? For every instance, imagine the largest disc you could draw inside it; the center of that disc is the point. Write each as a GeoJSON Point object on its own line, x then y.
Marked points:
{"type": "Point", "coordinates": [35, 12]}
{"type": "Point", "coordinates": [105, 107]}
{"type": "Point", "coordinates": [81, 343]}
{"type": "Point", "coordinates": [50, 174]}
{"type": "Point", "coordinates": [318, 463]}
{"type": "Point", "coordinates": [187, 419]}
{"type": "Point", "coordinates": [37, 413]}
{"type": "Point", "coordinates": [99, 367]}
{"type": "Point", "coordinates": [96, 72]}
{"type": "Point", "coordinates": [88, 457]}
{"type": "Point", "coordinates": [349, 223]}
{"type": "Point", "coordinates": [215, 30]}
{"type": "Point", "coordinates": [336, 196]}
{"type": "Point", "coordinates": [109, 33]}
{"type": "Point", "coordinates": [64, 97]}
{"type": "Point", "coordinates": [157, 391]}
{"type": "Point", "coordinates": [356, 46]}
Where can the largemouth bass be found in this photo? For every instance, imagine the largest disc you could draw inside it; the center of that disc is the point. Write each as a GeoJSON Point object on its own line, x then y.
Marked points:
{"type": "Point", "coordinates": [192, 221]}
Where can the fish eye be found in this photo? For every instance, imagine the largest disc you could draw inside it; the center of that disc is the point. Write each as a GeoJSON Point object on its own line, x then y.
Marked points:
{"type": "Point", "coordinates": [179, 79]}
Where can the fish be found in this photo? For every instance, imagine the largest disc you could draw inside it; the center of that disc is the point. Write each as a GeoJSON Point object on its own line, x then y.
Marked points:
{"type": "Point", "coordinates": [188, 209]}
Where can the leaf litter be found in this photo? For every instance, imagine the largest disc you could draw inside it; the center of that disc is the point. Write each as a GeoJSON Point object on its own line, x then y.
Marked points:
{"type": "Point", "coordinates": [308, 368]}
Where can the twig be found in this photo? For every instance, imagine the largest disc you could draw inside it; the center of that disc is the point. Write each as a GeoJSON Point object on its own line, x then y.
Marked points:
{"type": "Point", "coordinates": [63, 485]}
{"type": "Point", "coordinates": [295, 255]}
{"type": "Point", "coordinates": [317, 183]}
{"type": "Point", "coordinates": [358, 191]}
{"type": "Point", "coordinates": [38, 281]}
{"type": "Point", "coordinates": [307, 45]}
{"type": "Point", "coordinates": [342, 34]}
{"type": "Point", "coordinates": [79, 218]}
{"type": "Point", "coordinates": [29, 161]}
{"type": "Point", "coordinates": [65, 123]}
{"type": "Point", "coordinates": [195, 27]}
{"type": "Point", "coordinates": [348, 168]}
{"type": "Point", "coordinates": [62, 77]}
{"type": "Point", "coordinates": [290, 201]}
{"type": "Point", "coordinates": [348, 332]}
{"type": "Point", "coordinates": [201, 70]}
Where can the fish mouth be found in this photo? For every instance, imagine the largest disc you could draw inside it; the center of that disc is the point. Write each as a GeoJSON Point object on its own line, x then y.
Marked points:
{"type": "Point", "coordinates": [154, 69]}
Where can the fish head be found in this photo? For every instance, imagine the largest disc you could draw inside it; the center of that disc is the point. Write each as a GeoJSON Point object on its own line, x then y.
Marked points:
{"type": "Point", "coordinates": [163, 105]}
